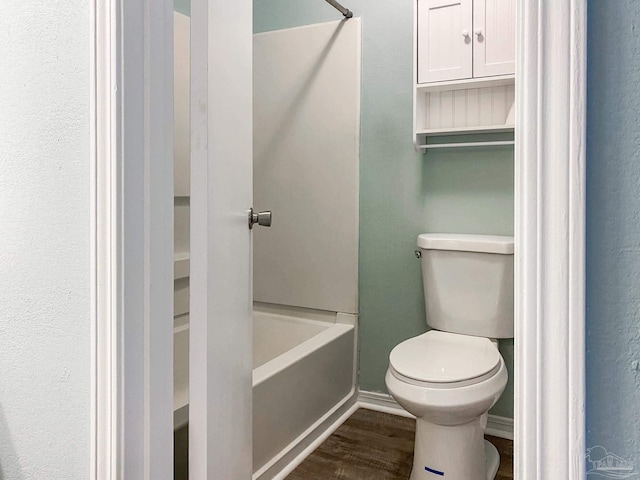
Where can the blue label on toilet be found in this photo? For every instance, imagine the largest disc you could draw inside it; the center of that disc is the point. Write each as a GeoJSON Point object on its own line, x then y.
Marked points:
{"type": "Point", "coordinates": [436, 472]}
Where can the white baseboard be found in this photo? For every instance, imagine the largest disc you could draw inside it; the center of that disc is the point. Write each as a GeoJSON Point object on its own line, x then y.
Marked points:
{"type": "Point", "coordinates": [381, 402]}
{"type": "Point", "coordinates": [501, 427]}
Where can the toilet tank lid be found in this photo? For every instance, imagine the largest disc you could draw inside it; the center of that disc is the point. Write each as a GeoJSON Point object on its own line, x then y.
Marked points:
{"type": "Point", "coordinates": [466, 243]}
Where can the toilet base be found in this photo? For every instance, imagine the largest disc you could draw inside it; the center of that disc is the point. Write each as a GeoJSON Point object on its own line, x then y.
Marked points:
{"type": "Point", "coordinates": [457, 452]}
{"type": "Point", "coordinates": [491, 460]}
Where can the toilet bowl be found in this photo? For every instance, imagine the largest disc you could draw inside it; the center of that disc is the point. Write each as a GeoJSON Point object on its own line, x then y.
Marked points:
{"type": "Point", "coordinates": [450, 379]}
{"type": "Point", "coordinates": [450, 406]}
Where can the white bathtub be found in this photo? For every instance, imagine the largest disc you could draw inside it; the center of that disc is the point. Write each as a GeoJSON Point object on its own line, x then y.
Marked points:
{"type": "Point", "coordinates": [303, 380]}
{"type": "Point", "coordinates": [303, 373]}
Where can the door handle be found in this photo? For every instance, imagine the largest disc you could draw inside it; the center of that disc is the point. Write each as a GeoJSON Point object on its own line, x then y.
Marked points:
{"type": "Point", "coordinates": [261, 218]}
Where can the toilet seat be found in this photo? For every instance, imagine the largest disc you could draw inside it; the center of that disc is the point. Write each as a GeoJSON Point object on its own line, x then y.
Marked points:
{"type": "Point", "coordinates": [444, 360]}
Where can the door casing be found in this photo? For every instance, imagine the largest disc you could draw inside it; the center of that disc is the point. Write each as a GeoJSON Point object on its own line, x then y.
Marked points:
{"type": "Point", "coordinates": [132, 239]}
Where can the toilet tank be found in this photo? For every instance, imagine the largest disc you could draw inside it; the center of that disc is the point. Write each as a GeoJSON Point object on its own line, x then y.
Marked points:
{"type": "Point", "coordinates": [468, 283]}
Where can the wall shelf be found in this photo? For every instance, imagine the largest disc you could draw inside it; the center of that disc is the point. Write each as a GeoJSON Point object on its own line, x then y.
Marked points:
{"type": "Point", "coordinates": [452, 85]}
{"type": "Point", "coordinates": [463, 107]}
{"type": "Point", "coordinates": [439, 132]}
{"type": "Point", "coordinates": [429, 146]}
{"type": "Point", "coordinates": [463, 84]}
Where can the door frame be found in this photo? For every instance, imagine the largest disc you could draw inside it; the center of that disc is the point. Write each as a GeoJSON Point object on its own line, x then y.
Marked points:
{"type": "Point", "coordinates": [131, 239]}
{"type": "Point", "coordinates": [550, 206]}
{"type": "Point", "coordinates": [131, 375]}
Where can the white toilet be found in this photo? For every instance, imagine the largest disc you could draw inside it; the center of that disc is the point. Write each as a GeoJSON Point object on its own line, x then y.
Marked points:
{"type": "Point", "coordinates": [451, 376]}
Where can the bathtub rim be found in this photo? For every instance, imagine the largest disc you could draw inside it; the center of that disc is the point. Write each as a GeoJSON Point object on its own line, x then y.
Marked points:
{"type": "Point", "coordinates": [342, 324]}
{"type": "Point", "coordinates": [304, 349]}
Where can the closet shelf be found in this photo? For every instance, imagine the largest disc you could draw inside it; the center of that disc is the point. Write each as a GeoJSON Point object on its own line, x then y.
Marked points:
{"type": "Point", "coordinates": [180, 266]}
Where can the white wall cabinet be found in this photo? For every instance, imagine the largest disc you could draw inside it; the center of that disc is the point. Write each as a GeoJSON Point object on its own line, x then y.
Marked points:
{"type": "Point", "coordinates": [494, 33]}
{"type": "Point", "coordinates": [464, 69]}
{"type": "Point", "coordinates": [445, 47]}
{"type": "Point", "coordinates": [460, 39]}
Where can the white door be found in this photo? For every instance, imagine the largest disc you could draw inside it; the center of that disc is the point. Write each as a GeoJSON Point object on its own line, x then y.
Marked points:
{"type": "Point", "coordinates": [445, 47]}
{"type": "Point", "coordinates": [494, 33]}
{"type": "Point", "coordinates": [220, 404]}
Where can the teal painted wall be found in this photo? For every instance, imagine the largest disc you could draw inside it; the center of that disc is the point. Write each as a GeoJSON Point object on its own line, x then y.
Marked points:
{"type": "Point", "coordinates": [182, 6]}
{"type": "Point", "coordinates": [613, 228]}
{"type": "Point", "coordinates": [403, 193]}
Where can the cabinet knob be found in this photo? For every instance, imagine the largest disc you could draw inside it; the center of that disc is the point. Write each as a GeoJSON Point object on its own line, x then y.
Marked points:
{"type": "Point", "coordinates": [465, 33]}
{"type": "Point", "coordinates": [478, 32]}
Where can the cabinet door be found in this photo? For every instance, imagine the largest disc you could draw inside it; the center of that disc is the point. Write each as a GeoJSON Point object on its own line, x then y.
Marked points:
{"type": "Point", "coordinates": [494, 33]}
{"type": "Point", "coordinates": [445, 49]}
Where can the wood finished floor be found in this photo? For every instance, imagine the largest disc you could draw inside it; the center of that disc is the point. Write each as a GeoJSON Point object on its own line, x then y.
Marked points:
{"type": "Point", "coordinates": [376, 446]}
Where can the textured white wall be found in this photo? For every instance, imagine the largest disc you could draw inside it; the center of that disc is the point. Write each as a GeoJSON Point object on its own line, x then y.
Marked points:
{"type": "Point", "coordinates": [44, 240]}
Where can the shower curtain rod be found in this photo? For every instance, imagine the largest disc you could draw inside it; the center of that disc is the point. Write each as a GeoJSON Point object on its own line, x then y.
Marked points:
{"type": "Point", "coordinates": [344, 11]}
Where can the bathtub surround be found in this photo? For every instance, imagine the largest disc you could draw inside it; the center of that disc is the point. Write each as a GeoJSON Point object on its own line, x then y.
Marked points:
{"type": "Point", "coordinates": [403, 193]}
{"type": "Point", "coordinates": [613, 229]}
{"type": "Point", "coordinates": [305, 165]}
